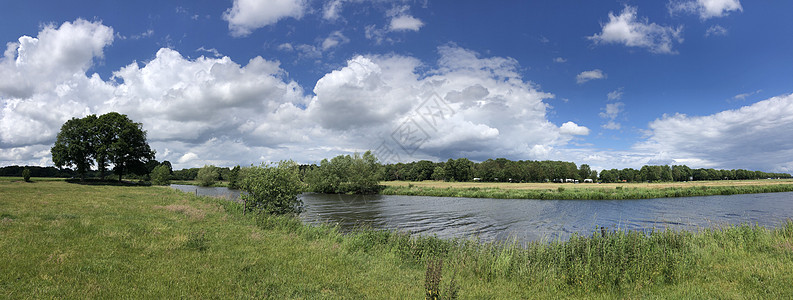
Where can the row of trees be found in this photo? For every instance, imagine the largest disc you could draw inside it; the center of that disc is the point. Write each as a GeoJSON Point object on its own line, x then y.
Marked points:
{"type": "Point", "coordinates": [682, 173]}
{"type": "Point", "coordinates": [492, 170]}
{"type": "Point", "coordinates": [110, 140]}
{"type": "Point", "coordinates": [504, 170]}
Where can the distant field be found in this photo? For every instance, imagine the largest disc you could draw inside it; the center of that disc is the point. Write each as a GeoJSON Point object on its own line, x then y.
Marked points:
{"type": "Point", "coordinates": [545, 186]}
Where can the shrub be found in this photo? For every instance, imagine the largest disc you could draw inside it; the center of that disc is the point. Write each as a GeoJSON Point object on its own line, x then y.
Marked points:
{"type": "Point", "coordinates": [273, 189]}
{"type": "Point", "coordinates": [161, 175]}
{"type": "Point", "coordinates": [358, 174]}
{"type": "Point", "coordinates": [207, 176]}
{"type": "Point", "coordinates": [26, 174]}
{"type": "Point", "coordinates": [234, 178]}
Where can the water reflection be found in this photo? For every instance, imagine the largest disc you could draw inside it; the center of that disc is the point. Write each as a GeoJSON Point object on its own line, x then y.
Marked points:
{"type": "Point", "coordinates": [532, 220]}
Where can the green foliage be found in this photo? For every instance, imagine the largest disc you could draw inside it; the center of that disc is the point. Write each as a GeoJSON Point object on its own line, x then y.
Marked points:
{"type": "Point", "coordinates": [161, 175]}
{"type": "Point", "coordinates": [26, 174]}
{"type": "Point", "coordinates": [207, 175]}
{"type": "Point", "coordinates": [439, 173]}
{"type": "Point", "coordinates": [75, 145]}
{"type": "Point", "coordinates": [111, 138]}
{"type": "Point", "coordinates": [346, 174]}
{"type": "Point", "coordinates": [273, 189]}
{"type": "Point", "coordinates": [234, 177]}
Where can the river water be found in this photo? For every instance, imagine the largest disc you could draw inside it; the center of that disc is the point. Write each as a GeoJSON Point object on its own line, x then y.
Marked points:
{"type": "Point", "coordinates": [526, 220]}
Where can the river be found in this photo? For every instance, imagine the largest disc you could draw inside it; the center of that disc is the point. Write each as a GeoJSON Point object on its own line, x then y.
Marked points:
{"type": "Point", "coordinates": [527, 220]}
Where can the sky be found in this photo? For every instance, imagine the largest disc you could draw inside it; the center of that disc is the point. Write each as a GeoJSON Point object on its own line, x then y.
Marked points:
{"type": "Point", "coordinates": [612, 84]}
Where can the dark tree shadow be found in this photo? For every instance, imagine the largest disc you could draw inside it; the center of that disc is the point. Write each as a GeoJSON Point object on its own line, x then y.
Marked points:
{"type": "Point", "coordinates": [94, 181]}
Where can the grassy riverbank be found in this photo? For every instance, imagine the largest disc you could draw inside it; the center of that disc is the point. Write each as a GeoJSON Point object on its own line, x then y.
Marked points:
{"type": "Point", "coordinates": [90, 241]}
{"type": "Point", "coordinates": [589, 191]}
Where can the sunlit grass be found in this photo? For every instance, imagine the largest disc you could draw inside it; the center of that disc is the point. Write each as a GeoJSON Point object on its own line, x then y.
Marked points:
{"type": "Point", "coordinates": [83, 241]}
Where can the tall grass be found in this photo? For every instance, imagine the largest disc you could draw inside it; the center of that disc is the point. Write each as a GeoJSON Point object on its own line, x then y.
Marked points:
{"type": "Point", "coordinates": [561, 193]}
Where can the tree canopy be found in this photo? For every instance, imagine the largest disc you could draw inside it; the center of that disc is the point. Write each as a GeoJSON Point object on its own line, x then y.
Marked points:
{"type": "Point", "coordinates": [111, 138]}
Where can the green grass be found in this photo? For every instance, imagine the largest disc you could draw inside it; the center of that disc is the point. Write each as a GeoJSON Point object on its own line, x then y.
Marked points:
{"type": "Point", "coordinates": [90, 241]}
{"type": "Point", "coordinates": [563, 193]}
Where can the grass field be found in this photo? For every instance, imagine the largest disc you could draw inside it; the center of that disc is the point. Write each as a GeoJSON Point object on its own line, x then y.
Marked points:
{"type": "Point", "coordinates": [585, 191]}
{"type": "Point", "coordinates": [65, 240]}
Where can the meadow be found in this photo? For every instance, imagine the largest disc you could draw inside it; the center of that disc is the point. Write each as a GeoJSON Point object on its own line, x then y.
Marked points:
{"type": "Point", "coordinates": [585, 191]}
{"type": "Point", "coordinates": [68, 240]}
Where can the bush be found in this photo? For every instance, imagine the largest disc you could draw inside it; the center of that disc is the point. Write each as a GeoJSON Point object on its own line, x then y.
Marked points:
{"type": "Point", "coordinates": [234, 178]}
{"type": "Point", "coordinates": [26, 174]}
{"type": "Point", "coordinates": [207, 176]}
{"type": "Point", "coordinates": [161, 175]}
{"type": "Point", "coordinates": [358, 174]}
{"type": "Point", "coordinates": [273, 189]}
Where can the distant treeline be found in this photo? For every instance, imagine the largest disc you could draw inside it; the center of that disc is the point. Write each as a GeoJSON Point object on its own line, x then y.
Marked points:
{"type": "Point", "coordinates": [504, 170]}
{"type": "Point", "coordinates": [35, 171]}
{"type": "Point", "coordinates": [462, 169]}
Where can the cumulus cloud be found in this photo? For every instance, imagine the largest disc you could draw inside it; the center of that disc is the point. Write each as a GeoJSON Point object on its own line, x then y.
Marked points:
{"type": "Point", "coordinates": [245, 16]}
{"type": "Point", "coordinates": [705, 8]}
{"type": "Point", "coordinates": [573, 129]}
{"type": "Point", "coordinates": [560, 60]}
{"type": "Point", "coordinates": [38, 64]}
{"type": "Point", "coordinates": [589, 75]}
{"type": "Point", "coordinates": [752, 137]}
{"type": "Point", "coordinates": [627, 29]}
{"type": "Point", "coordinates": [213, 110]}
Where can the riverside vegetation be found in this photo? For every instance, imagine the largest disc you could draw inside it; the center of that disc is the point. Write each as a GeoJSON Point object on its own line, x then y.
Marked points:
{"type": "Point", "coordinates": [582, 191]}
{"type": "Point", "coordinates": [94, 241]}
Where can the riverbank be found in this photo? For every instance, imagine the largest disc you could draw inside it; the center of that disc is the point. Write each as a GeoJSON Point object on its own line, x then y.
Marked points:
{"type": "Point", "coordinates": [584, 191]}
{"type": "Point", "coordinates": [68, 240]}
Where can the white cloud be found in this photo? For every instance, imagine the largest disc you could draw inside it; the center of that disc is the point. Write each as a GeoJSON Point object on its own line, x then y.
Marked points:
{"type": "Point", "coordinates": [334, 39]}
{"type": "Point", "coordinates": [610, 113]}
{"type": "Point", "coordinates": [705, 8]}
{"type": "Point", "coordinates": [331, 10]}
{"type": "Point", "coordinates": [38, 64]}
{"type": "Point", "coordinates": [559, 60]}
{"type": "Point", "coordinates": [589, 75]}
{"type": "Point", "coordinates": [215, 111]}
{"type": "Point", "coordinates": [715, 30]}
{"type": "Point", "coordinates": [573, 129]}
{"type": "Point", "coordinates": [615, 94]}
{"type": "Point", "coordinates": [213, 51]}
{"type": "Point", "coordinates": [248, 15]}
{"type": "Point", "coordinates": [752, 137]}
{"type": "Point", "coordinates": [630, 31]}
{"type": "Point", "coordinates": [405, 22]}
{"type": "Point", "coordinates": [286, 47]}
{"type": "Point", "coordinates": [743, 96]}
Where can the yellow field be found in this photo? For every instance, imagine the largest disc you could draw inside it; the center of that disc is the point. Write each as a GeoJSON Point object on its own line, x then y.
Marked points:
{"type": "Point", "coordinates": [544, 186]}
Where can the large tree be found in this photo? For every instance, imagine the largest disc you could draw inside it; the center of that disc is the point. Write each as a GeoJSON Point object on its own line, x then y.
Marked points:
{"type": "Point", "coordinates": [111, 138]}
{"type": "Point", "coordinates": [75, 145]}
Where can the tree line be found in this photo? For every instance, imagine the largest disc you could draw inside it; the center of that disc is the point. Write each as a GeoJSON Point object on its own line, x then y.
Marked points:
{"type": "Point", "coordinates": [504, 170]}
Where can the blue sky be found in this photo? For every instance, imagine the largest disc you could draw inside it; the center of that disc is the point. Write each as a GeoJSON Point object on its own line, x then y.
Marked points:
{"type": "Point", "coordinates": [612, 84]}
